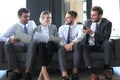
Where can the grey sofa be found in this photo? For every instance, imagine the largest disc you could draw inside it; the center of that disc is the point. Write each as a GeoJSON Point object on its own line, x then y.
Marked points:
{"type": "Point", "coordinates": [97, 59]}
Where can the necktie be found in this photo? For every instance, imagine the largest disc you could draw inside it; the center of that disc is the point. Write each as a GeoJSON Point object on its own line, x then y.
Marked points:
{"type": "Point", "coordinates": [96, 30]}
{"type": "Point", "coordinates": [25, 29]}
{"type": "Point", "coordinates": [68, 37]}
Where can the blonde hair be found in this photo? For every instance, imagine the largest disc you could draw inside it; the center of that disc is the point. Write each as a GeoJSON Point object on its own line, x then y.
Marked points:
{"type": "Point", "coordinates": [43, 14]}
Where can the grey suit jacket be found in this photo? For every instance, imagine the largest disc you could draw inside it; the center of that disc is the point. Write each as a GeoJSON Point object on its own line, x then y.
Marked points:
{"type": "Point", "coordinates": [103, 32]}
{"type": "Point", "coordinates": [52, 30]}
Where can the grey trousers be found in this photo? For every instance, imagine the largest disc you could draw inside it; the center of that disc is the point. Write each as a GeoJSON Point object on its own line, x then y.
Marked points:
{"type": "Point", "coordinates": [31, 54]}
{"type": "Point", "coordinates": [10, 52]}
{"type": "Point", "coordinates": [106, 48]}
{"type": "Point", "coordinates": [62, 57]}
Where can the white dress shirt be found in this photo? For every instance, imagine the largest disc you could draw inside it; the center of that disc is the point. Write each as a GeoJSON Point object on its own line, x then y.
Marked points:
{"type": "Point", "coordinates": [93, 28]}
{"type": "Point", "coordinates": [11, 32]}
{"type": "Point", "coordinates": [76, 33]}
{"type": "Point", "coordinates": [45, 30]}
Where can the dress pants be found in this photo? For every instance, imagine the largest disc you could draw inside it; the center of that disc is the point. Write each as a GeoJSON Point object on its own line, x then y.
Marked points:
{"type": "Point", "coordinates": [45, 50]}
{"type": "Point", "coordinates": [106, 48]}
{"type": "Point", "coordinates": [62, 57]}
{"type": "Point", "coordinates": [11, 51]}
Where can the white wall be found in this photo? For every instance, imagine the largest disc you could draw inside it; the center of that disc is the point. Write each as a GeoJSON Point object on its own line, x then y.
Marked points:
{"type": "Point", "coordinates": [111, 10]}
{"type": "Point", "coordinates": [8, 12]}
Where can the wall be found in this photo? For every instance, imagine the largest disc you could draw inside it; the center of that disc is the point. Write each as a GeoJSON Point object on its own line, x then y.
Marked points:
{"type": "Point", "coordinates": [37, 6]}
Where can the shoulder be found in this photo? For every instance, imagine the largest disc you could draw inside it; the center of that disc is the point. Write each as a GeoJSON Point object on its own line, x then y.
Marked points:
{"type": "Point", "coordinates": [31, 23]}
{"type": "Point", "coordinates": [104, 20]}
{"type": "Point", "coordinates": [106, 23]}
{"type": "Point", "coordinates": [38, 27]}
{"type": "Point", "coordinates": [88, 20]}
{"type": "Point", "coordinates": [79, 26]}
{"type": "Point", "coordinates": [53, 26]}
{"type": "Point", "coordinates": [15, 26]}
{"type": "Point", "coordinates": [62, 27]}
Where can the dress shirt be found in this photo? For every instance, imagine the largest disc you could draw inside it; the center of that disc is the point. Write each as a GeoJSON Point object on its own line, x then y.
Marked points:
{"type": "Point", "coordinates": [76, 33]}
{"type": "Point", "coordinates": [45, 30]}
{"type": "Point", "coordinates": [11, 32]}
{"type": "Point", "coordinates": [93, 28]}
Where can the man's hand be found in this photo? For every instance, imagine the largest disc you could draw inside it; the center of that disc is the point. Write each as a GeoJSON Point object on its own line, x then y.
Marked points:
{"type": "Point", "coordinates": [14, 40]}
{"type": "Point", "coordinates": [88, 31]}
{"type": "Point", "coordinates": [69, 47]}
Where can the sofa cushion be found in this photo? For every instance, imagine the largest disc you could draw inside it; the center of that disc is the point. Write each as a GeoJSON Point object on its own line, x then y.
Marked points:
{"type": "Point", "coordinates": [97, 55]}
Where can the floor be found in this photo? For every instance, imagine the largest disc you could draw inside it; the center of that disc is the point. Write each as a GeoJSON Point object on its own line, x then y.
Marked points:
{"type": "Point", "coordinates": [83, 76]}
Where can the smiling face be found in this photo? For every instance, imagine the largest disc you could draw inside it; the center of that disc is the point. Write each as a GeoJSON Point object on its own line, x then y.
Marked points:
{"type": "Point", "coordinates": [47, 19]}
{"type": "Point", "coordinates": [69, 19]}
{"type": "Point", "coordinates": [24, 18]}
{"type": "Point", "coordinates": [95, 17]}
{"type": "Point", "coordinates": [96, 13]}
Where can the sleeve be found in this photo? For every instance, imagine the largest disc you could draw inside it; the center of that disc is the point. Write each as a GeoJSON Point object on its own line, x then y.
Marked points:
{"type": "Point", "coordinates": [80, 35]}
{"type": "Point", "coordinates": [61, 36]}
{"type": "Point", "coordinates": [55, 31]}
{"type": "Point", "coordinates": [6, 36]}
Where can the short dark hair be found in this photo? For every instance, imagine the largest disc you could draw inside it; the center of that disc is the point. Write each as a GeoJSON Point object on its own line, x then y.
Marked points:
{"type": "Point", "coordinates": [98, 9]}
{"type": "Point", "coordinates": [23, 10]}
{"type": "Point", "coordinates": [72, 13]}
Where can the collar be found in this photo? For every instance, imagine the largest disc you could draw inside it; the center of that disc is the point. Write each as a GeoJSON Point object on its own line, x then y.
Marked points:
{"type": "Point", "coordinates": [44, 27]}
{"type": "Point", "coordinates": [71, 26]}
{"type": "Point", "coordinates": [22, 24]}
{"type": "Point", "coordinates": [99, 21]}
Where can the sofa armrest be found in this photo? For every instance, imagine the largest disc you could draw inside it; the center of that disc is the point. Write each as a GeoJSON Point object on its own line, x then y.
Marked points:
{"type": "Point", "coordinates": [117, 48]}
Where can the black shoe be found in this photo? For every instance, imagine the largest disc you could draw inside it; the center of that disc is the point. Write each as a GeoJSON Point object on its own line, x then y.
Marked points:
{"type": "Point", "coordinates": [75, 77]}
{"type": "Point", "coordinates": [27, 76]}
{"type": "Point", "coordinates": [15, 76]}
{"type": "Point", "coordinates": [65, 78]}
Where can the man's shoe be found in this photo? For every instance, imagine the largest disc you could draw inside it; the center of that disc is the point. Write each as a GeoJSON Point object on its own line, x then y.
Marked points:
{"type": "Point", "coordinates": [27, 76]}
{"type": "Point", "coordinates": [65, 78]}
{"type": "Point", "coordinates": [107, 74]}
{"type": "Point", "coordinates": [75, 77]}
{"type": "Point", "coordinates": [15, 76]}
{"type": "Point", "coordinates": [94, 77]}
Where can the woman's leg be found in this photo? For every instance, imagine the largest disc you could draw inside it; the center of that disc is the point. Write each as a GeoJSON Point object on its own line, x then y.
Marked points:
{"type": "Point", "coordinates": [46, 51]}
{"type": "Point", "coordinates": [51, 48]}
{"type": "Point", "coordinates": [43, 61]}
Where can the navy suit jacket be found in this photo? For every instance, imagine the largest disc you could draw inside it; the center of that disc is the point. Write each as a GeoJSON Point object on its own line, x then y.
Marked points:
{"type": "Point", "coordinates": [103, 32]}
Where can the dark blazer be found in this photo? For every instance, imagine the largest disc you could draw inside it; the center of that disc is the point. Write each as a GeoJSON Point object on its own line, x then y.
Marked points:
{"type": "Point", "coordinates": [103, 32]}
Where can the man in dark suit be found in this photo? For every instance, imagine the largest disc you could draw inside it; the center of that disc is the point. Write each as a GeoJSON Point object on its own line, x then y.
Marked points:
{"type": "Point", "coordinates": [97, 31]}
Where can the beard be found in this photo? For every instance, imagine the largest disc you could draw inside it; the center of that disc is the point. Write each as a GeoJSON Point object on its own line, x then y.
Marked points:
{"type": "Point", "coordinates": [69, 23]}
{"type": "Point", "coordinates": [97, 20]}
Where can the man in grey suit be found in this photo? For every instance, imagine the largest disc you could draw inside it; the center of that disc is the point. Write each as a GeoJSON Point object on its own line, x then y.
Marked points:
{"type": "Point", "coordinates": [70, 34]}
{"type": "Point", "coordinates": [97, 31]}
{"type": "Point", "coordinates": [13, 44]}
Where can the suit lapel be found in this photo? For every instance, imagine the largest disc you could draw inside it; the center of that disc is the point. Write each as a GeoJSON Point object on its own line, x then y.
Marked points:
{"type": "Point", "coordinates": [101, 25]}
{"type": "Point", "coordinates": [50, 30]}
{"type": "Point", "coordinates": [39, 29]}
